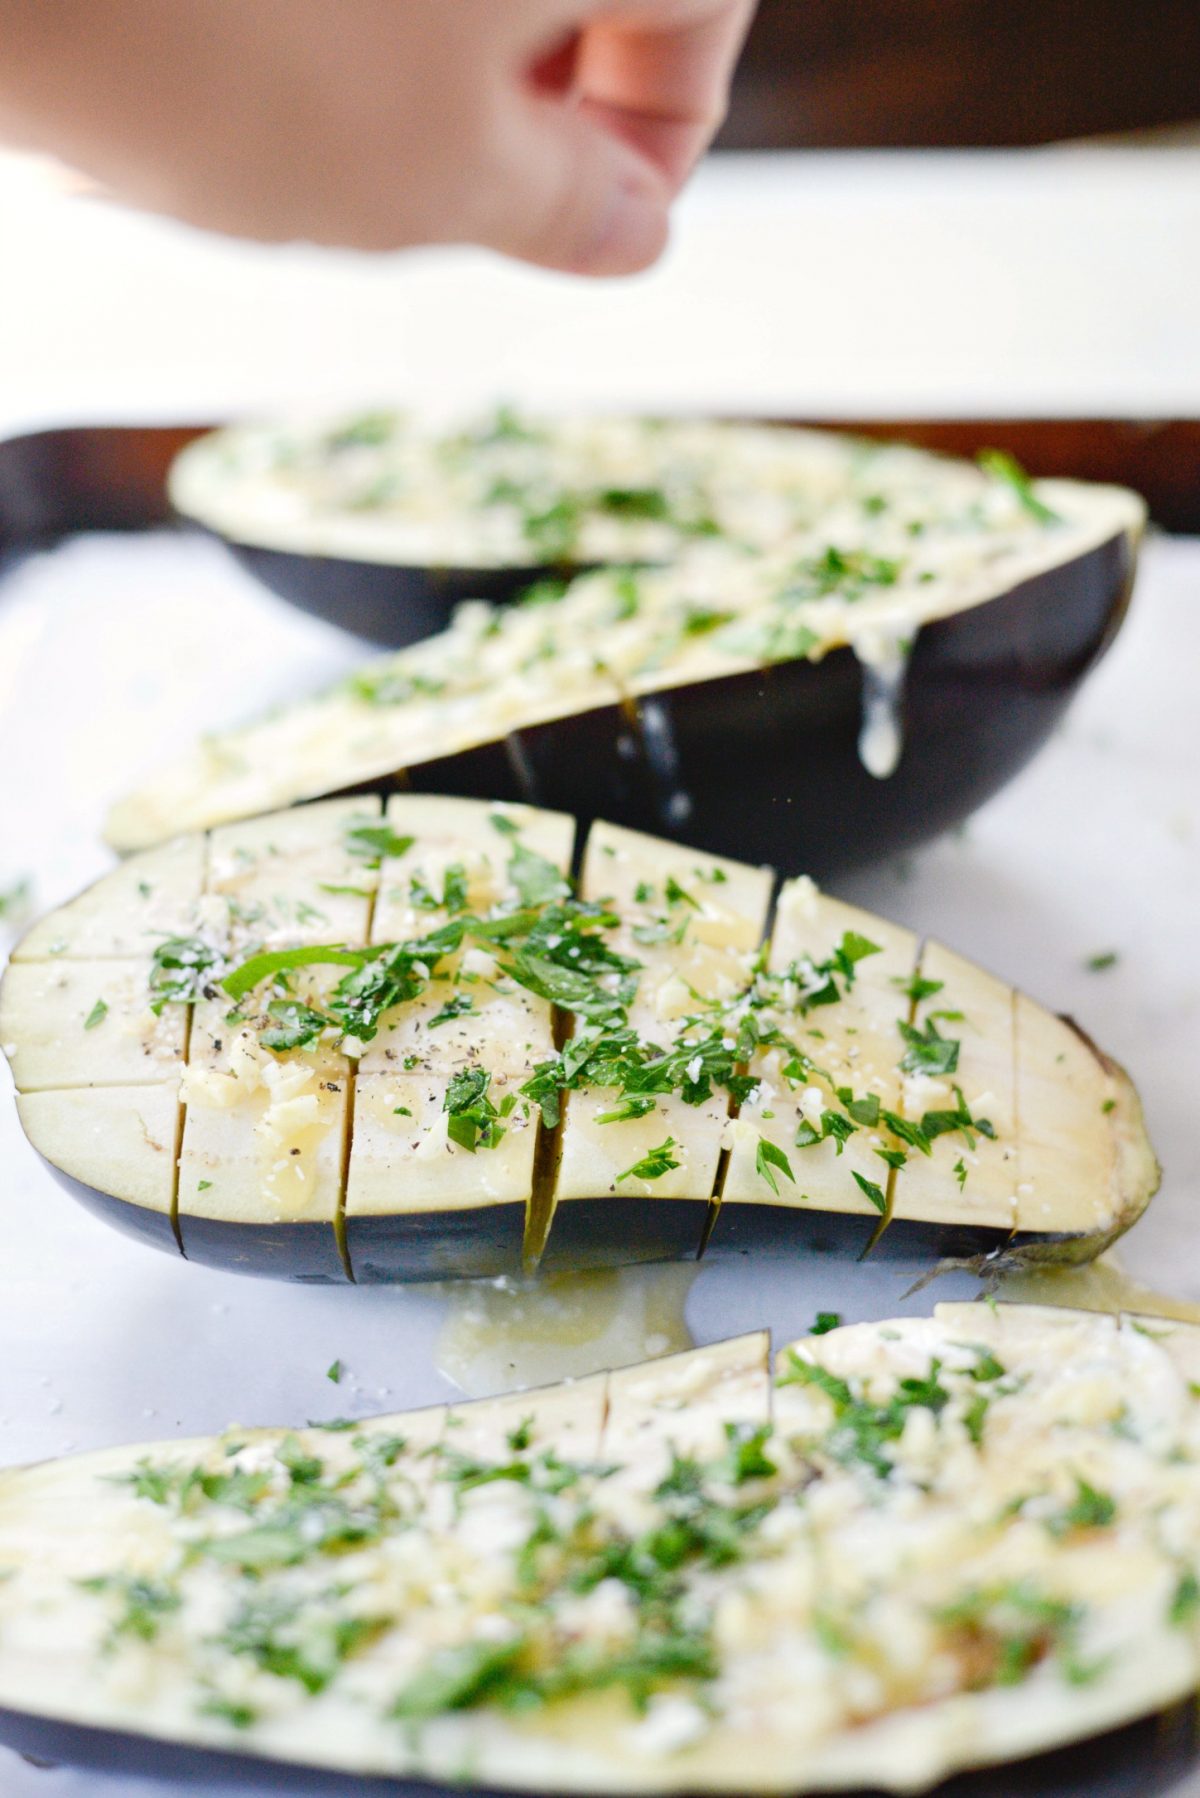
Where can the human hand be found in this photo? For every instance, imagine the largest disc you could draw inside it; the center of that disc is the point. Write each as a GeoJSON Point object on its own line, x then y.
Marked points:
{"type": "Point", "coordinates": [557, 131]}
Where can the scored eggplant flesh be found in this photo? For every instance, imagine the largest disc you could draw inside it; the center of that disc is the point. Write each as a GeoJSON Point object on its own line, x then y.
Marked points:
{"type": "Point", "coordinates": [605, 698]}
{"type": "Point", "coordinates": [925, 1546]}
{"type": "Point", "coordinates": [389, 1043]}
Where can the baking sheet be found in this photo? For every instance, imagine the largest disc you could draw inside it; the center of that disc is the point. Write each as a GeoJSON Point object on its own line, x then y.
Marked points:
{"type": "Point", "coordinates": [116, 652]}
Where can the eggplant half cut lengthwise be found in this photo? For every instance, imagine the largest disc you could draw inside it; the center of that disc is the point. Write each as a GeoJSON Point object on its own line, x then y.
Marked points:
{"type": "Point", "coordinates": [394, 1043]}
{"type": "Point", "coordinates": [865, 681]}
{"type": "Point", "coordinates": [382, 523]}
{"type": "Point", "coordinates": [924, 1547]}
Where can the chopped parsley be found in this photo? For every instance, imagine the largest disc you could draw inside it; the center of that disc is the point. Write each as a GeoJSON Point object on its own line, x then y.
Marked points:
{"type": "Point", "coordinates": [348, 892]}
{"type": "Point", "coordinates": [928, 1052]}
{"type": "Point", "coordinates": [824, 1322]}
{"type": "Point", "coordinates": [767, 1158]}
{"type": "Point", "coordinates": [537, 880]}
{"type": "Point", "coordinates": [1005, 468]}
{"type": "Point", "coordinates": [1185, 1600]}
{"type": "Point", "coordinates": [142, 1604]}
{"type": "Point", "coordinates": [862, 1430]}
{"type": "Point", "coordinates": [179, 968]}
{"type": "Point", "coordinates": [455, 1679]}
{"type": "Point", "coordinates": [228, 1710]}
{"type": "Point", "coordinates": [372, 843]}
{"type": "Point", "coordinates": [654, 1164]}
{"type": "Point", "coordinates": [460, 1006]}
{"type": "Point", "coordinates": [629, 1105]}
{"type": "Point", "coordinates": [871, 1191]}
{"type": "Point", "coordinates": [96, 1015]}
{"type": "Point", "coordinates": [1090, 1509]}
{"type": "Point", "coordinates": [1006, 1630]}
{"type": "Point", "coordinates": [472, 1121]}
{"type": "Point", "coordinates": [265, 966]}
{"type": "Point", "coordinates": [675, 894]}
{"type": "Point", "coordinates": [292, 1026]}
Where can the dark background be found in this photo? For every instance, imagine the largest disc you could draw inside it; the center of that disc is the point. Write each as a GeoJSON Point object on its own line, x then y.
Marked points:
{"type": "Point", "coordinates": [870, 73]}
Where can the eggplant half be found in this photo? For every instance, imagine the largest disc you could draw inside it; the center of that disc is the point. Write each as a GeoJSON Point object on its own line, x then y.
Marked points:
{"type": "Point", "coordinates": [395, 1041]}
{"type": "Point", "coordinates": [857, 687]}
{"type": "Point", "coordinates": [922, 1547]}
{"type": "Point", "coordinates": [382, 522]}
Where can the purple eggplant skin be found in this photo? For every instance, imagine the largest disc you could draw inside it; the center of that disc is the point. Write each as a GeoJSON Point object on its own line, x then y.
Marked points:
{"type": "Point", "coordinates": [154, 1227]}
{"type": "Point", "coordinates": [388, 603]}
{"type": "Point", "coordinates": [587, 1234]}
{"type": "Point", "coordinates": [781, 1232]}
{"type": "Point", "coordinates": [601, 756]}
{"type": "Point", "coordinates": [306, 1254]}
{"type": "Point", "coordinates": [50, 1743]}
{"type": "Point", "coordinates": [410, 1247]}
{"type": "Point", "coordinates": [483, 1244]}
{"type": "Point", "coordinates": [765, 766]}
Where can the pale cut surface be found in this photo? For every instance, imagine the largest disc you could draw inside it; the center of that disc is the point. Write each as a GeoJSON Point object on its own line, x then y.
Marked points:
{"type": "Point", "coordinates": [1062, 1156]}
{"type": "Point", "coordinates": [402, 1159]}
{"type": "Point", "coordinates": [119, 1140]}
{"type": "Point", "coordinates": [662, 1037]}
{"type": "Point", "coordinates": [290, 882]}
{"type": "Point", "coordinates": [984, 1169]}
{"type": "Point", "coordinates": [85, 1023]}
{"type": "Point", "coordinates": [721, 907]}
{"type": "Point", "coordinates": [855, 1042]}
{"type": "Point", "coordinates": [128, 911]}
{"type": "Point", "coordinates": [927, 1545]}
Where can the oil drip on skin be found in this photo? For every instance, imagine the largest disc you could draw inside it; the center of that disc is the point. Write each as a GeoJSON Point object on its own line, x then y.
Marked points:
{"type": "Point", "coordinates": [662, 756]}
{"type": "Point", "coordinates": [506, 1334]}
{"type": "Point", "coordinates": [884, 662]}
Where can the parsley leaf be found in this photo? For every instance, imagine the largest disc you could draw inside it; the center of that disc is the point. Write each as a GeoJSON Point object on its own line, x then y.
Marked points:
{"type": "Point", "coordinates": [872, 1192]}
{"type": "Point", "coordinates": [177, 971]}
{"type": "Point", "coordinates": [472, 1121]}
{"type": "Point", "coordinates": [1185, 1600]}
{"type": "Point", "coordinates": [295, 1026]}
{"type": "Point", "coordinates": [1090, 1509]}
{"type": "Point", "coordinates": [654, 1164]}
{"type": "Point", "coordinates": [1005, 468]}
{"type": "Point", "coordinates": [676, 895]}
{"type": "Point", "coordinates": [270, 962]}
{"type": "Point", "coordinates": [453, 1679]}
{"type": "Point", "coordinates": [928, 1052]}
{"type": "Point", "coordinates": [537, 880]}
{"type": "Point", "coordinates": [458, 1007]}
{"type": "Point", "coordinates": [767, 1157]}
{"type": "Point", "coordinates": [862, 1430]}
{"type": "Point", "coordinates": [370, 843]}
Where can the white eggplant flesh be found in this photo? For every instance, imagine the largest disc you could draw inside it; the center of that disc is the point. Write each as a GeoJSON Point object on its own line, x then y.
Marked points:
{"type": "Point", "coordinates": [925, 1546]}
{"type": "Point", "coordinates": [394, 1041]}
